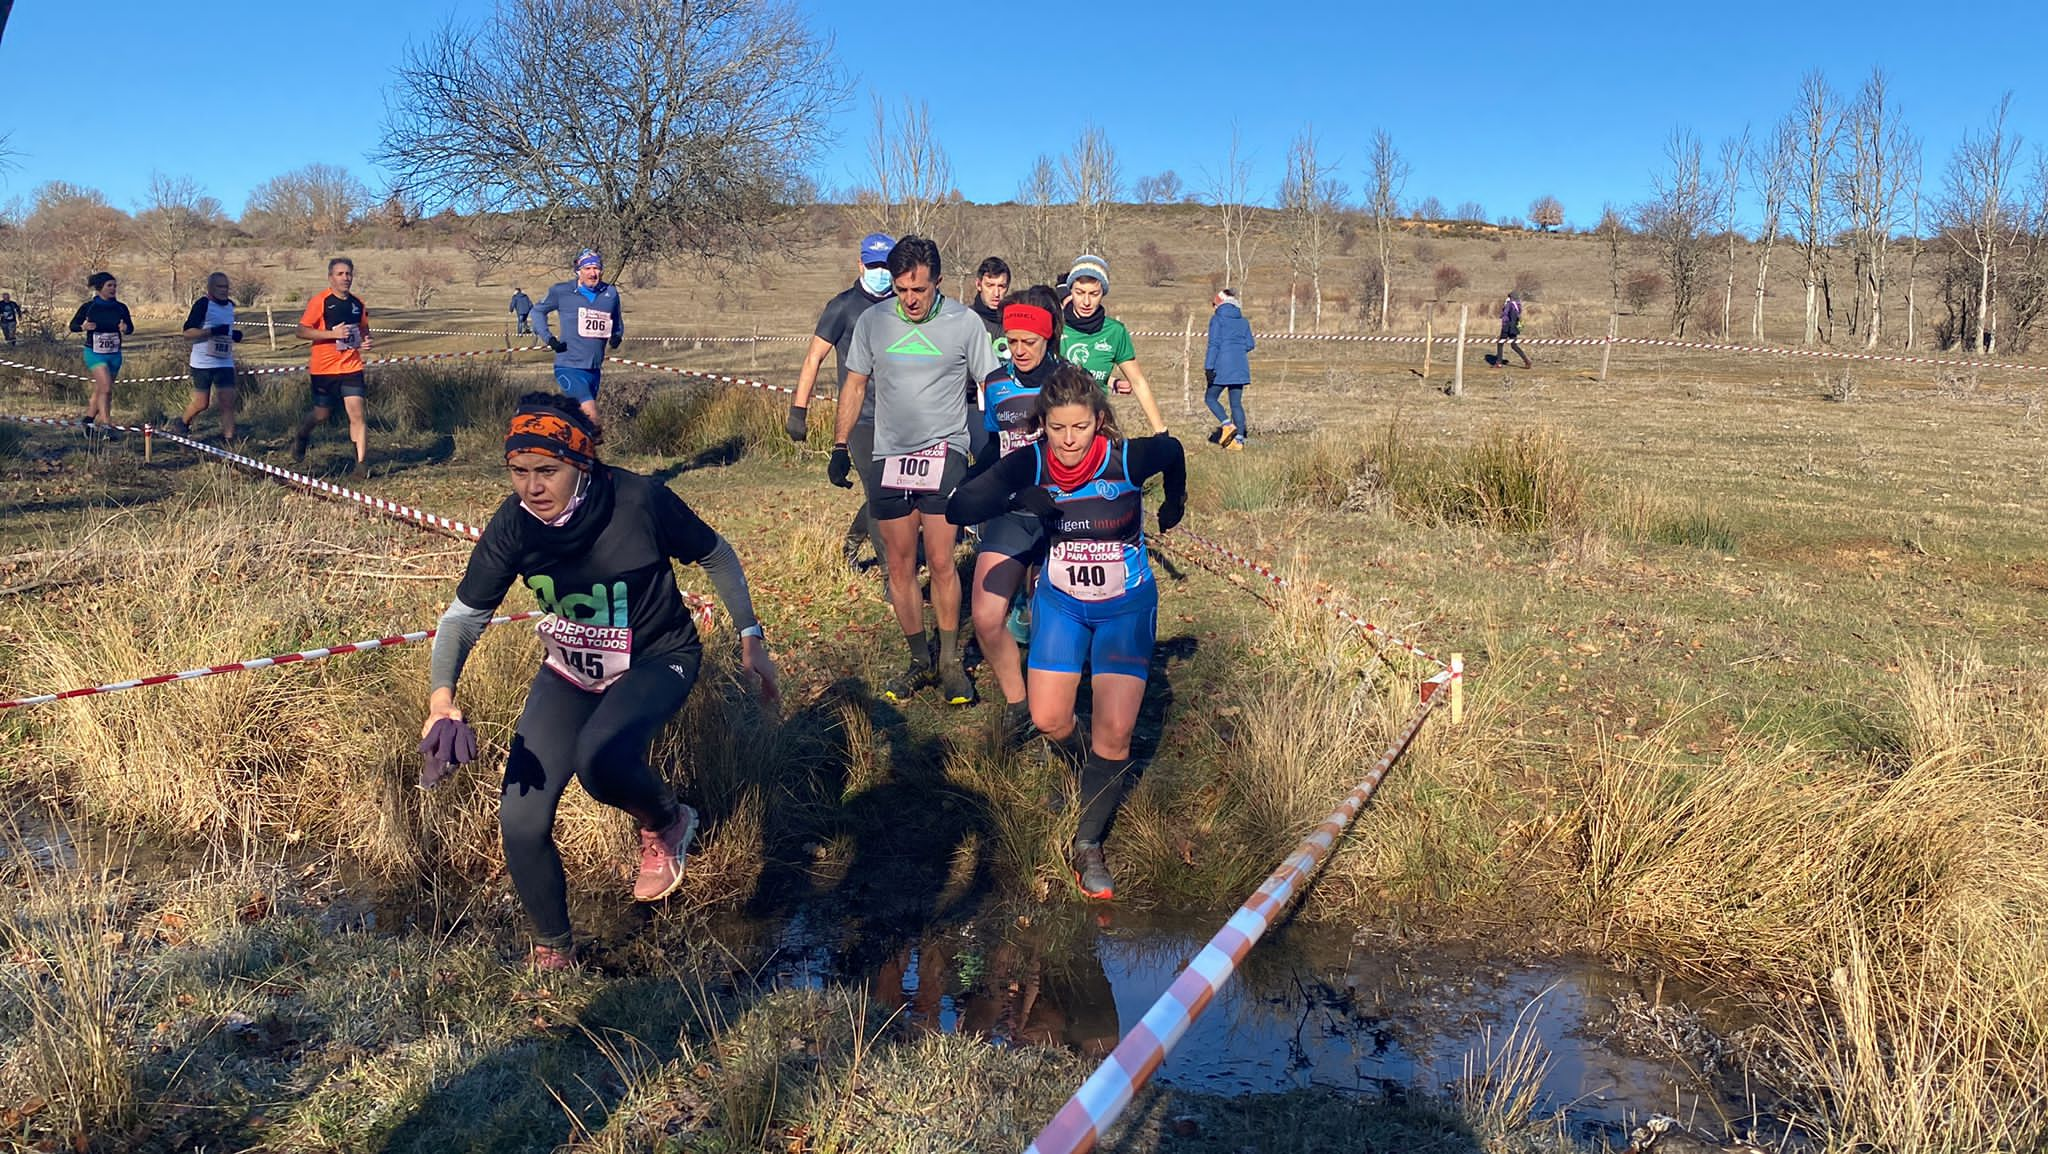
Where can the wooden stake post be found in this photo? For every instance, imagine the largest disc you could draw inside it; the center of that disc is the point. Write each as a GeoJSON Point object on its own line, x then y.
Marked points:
{"type": "Point", "coordinates": [1187, 387]}
{"type": "Point", "coordinates": [1458, 362]}
{"type": "Point", "coordinates": [1607, 349]}
{"type": "Point", "coordinates": [1428, 339]}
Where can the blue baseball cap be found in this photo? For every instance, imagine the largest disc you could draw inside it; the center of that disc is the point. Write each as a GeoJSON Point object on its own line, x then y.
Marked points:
{"type": "Point", "coordinates": [875, 248]}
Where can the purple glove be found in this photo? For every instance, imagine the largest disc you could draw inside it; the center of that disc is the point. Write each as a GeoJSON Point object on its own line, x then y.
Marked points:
{"type": "Point", "coordinates": [448, 744]}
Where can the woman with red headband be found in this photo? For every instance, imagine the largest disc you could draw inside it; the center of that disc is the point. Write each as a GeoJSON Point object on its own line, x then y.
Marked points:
{"type": "Point", "coordinates": [1097, 605]}
{"type": "Point", "coordinates": [595, 545]}
{"type": "Point", "coordinates": [1012, 542]}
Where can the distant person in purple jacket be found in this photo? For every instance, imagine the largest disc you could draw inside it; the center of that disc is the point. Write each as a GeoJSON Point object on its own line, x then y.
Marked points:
{"type": "Point", "coordinates": [1228, 367]}
{"type": "Point", "coordinates": [1510, 332]}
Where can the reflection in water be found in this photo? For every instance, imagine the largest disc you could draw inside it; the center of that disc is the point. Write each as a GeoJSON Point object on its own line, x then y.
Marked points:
{"type": "Point", "coordinates": [1311, 1009]}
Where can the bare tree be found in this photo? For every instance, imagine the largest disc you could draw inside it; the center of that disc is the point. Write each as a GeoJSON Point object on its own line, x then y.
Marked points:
{"type": "Point", "coordinates": [1310, 199]}
{"type": "Point", "coordinates": [1386, 177]}
{"type": "Point", "coordinates": [1913, 255]}
{"type": "Point", "coordinates": [1039, 249]}
{"type": "Point", "coordinates": [26, 264]}
{"type": "Point", "coordinates": [1428, 208]}
{"type": "Point", "coordinates": [1092, 180]}
{"type": "Point", "coordinates": [1977, 211]}
{"type": "Point", "coordinates": [1770, 170]}
{"type": "Point", "coordinates": [913, 176]}
{"type": "Point", "coordinates": [1546, 212]}
{"type": "Point", "coordinates": [176, 218]}
{"type": "Point", "coordinates": [646, 127]}
{"type": "Point", "coordinates": [423, 276]}
{"type": "Point", "coordinates": [1230, 191]}
{"type": "Point", "coordinates": [1470, 212]}
{"type": "Point", "coordinates": [1613, 229]}
{"type": "Point", "coordinates": [1818, 117]}
{"type": "Point", "coordinates": [1872, 179]}
{"type": "Point", "coordinates": [2025, 268]}
{"type": "Point", "coordinates": [319, 200]}
{"type": "Point", "coordinates": [1734, 151]}
{"type": "Point", "coordinates": [1675, 219]}
{"type": "Point", "coordinates": [1164, 188]}
{"type": "Point", "coordinates": [79, 229]}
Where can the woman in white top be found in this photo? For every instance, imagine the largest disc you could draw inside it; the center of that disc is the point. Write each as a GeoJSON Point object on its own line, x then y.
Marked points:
{"type": "Point", "coordinates": [210, 326]}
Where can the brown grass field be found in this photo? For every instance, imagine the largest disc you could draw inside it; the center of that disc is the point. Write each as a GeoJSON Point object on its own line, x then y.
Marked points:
{"type": "Point", "coordinates": [1755, 697]}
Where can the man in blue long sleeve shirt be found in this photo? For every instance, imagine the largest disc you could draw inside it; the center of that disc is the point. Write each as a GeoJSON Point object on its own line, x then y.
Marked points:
{"type": "Point", "coordinates": [590, 323]}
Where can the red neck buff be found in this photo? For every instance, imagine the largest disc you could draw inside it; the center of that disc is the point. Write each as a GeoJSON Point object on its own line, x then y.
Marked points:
{"type": "Point", "coordinates": [1071, 477]}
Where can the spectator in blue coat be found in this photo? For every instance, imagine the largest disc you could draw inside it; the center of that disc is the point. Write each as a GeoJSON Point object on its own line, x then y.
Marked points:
{"type": "Point", "coordinates": [588, 309]}
{"type": "Point", "coordinates": [1228, 366]}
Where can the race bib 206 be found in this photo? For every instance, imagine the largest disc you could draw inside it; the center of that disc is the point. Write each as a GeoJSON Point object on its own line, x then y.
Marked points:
{"type": "Point", "coordinates": [595, 323]}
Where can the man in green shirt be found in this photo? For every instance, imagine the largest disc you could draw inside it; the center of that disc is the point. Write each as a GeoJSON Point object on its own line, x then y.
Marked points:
{"type": "Point", "coordinates": [1100, 343]}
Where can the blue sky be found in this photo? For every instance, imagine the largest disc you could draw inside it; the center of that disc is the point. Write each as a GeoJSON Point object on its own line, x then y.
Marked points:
{"type": "Point", "coordinates": [1492, 103]}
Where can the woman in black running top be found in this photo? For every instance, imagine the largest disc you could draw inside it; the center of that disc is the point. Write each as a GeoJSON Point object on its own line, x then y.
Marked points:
{"type": "Point", "coordinates": [1097, 604]}
{"type": "Point", "coordinates": [104, 321]}
{"type": "Point", "coordinates": [595, 544]}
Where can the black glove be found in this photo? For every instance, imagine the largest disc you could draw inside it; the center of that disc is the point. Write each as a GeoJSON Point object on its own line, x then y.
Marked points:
{"type": "Point", "coordinates": [558, 344]}
{"type": "Point", "coordinates": [1036, 501]}
{"type": "Point", "coordinates": [616, 338]}
{"type": "Point", "coordinates": [219, 330]}
{"type": "Point", "coordinates": [840, 468]}
{"type": "Point", "coordinates": [237, 335]}
{"type": "Point", "coordinates": [1209, 377]}
{"type": "Point", "coordinates": [797, 426]}
{"type": "Point", "coordinates": [1170, 514]}
{"type": "Point", "coordinates": [448, 744]}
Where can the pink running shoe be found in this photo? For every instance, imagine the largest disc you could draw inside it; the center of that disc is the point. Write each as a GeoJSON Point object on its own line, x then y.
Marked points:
{"type": "Point", "coordinates": [662, 854]}
{"type": "Point", "coordinates": [552, 958]}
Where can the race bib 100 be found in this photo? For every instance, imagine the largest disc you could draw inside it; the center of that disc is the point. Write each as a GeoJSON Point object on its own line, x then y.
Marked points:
{"type": "Point", "coordinates": [591, 657]}
{"type": "Point", "coordinates": [1087, 570]}
{"type": "Point", "coordinates": [106, 344]}
{"type": "Point", "coordinates": [918, 472]}
{"type": "Point", "coordinates": [595, 323]}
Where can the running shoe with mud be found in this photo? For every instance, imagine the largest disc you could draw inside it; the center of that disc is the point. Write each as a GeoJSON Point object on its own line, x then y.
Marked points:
{"type": "Point", "coordinates": [552, 959]}
{"type": "Point", "coordinates": [955, 686]}
{"type": "Point", "coordinates": [662, 853]}
{"type": "Point", "coordinates": [1091, 871]}
{"type": "Point", "coordinates": [904, 686]}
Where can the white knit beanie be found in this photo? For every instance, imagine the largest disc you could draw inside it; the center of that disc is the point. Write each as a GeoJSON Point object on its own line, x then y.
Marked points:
{"type": "Point", "coordinates": [1092, 266]}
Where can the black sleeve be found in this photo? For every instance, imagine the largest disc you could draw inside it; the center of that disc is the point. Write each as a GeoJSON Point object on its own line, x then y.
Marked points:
{"type": "Point", "coordinates": [196, 319]}
{"type": "Point", "coordinates": [127, 319]}
{"type": "Point", "coordinates": [1160, 455]}
{"type": "Point", "coordinates": [78, 318]}
{"type": "Point", "coordinates": [834, 322]}
{"type": "Point", "coordinates": [680, 532]}
{"type": "Point", "coordinates": [494, 563]}
{"type": "Point", "coordinates": [988, 495]}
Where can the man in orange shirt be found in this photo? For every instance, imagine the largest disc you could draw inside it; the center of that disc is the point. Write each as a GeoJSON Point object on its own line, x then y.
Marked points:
{"type": "Point", "coordinates": [339, 326]}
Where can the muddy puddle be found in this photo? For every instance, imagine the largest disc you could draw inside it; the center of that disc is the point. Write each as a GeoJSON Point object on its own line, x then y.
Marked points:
{"type": "Point", "coordinates": [1316, 1007]}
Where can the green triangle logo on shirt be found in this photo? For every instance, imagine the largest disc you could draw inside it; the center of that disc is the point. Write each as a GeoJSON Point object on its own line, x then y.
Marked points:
{"type": "Point", "coordinates": [914, 344]}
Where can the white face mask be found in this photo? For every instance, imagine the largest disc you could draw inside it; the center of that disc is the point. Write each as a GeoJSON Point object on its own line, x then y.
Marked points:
{"type": "Point", "coordinates": [876, 281]}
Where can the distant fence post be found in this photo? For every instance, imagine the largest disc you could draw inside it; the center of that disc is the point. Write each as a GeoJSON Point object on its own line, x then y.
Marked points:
{"type": "Point", "coordinates": [1458, 371]}
{"type": "Point", "coordinates": [270, 319]}
{"type": "Point", "coordinates": [1428, 339]}
{"type": "Point", "coordinates": [1607, 350]}
{"type": "Point", "coordinates": [1187, 387]}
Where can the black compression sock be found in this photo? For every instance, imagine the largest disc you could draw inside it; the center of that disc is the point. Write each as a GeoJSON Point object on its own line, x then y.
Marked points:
{"type": "Point", "coordinates": [1104, 782]}
{"type": "Point", "coordinates": [920, 646]}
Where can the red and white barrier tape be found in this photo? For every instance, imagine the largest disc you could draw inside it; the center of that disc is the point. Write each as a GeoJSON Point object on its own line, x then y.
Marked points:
{"type": "Point", "coordinates": [660, 338]}
{"type": "Point", "coordinates": [273, 370]}
{"type": "Point", "coordinates": [1480, 338]}
{"type": "Point", "coordinates": [247, 666]}
{"type": "Point", "coordinates": [1091, 1110]}
{"type": "Point", "coordinates": [699, 605]}
{"type": "Point", "coordinates": [720, 378]}
{"type": "Point", "coordinates": [1279, 582]}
